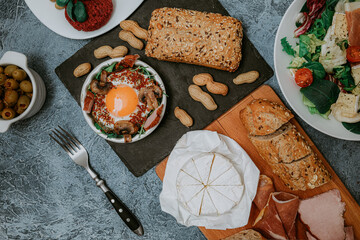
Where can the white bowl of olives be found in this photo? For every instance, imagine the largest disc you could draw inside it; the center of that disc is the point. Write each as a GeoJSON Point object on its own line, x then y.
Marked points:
{"type": "Point", "coordinates": [22, 91]}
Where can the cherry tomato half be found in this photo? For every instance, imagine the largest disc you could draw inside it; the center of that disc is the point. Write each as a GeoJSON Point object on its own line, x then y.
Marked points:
{"type": "Point", "coordinates": [303, 77]}
{"type": "Point", "coordinates": [353, 54]}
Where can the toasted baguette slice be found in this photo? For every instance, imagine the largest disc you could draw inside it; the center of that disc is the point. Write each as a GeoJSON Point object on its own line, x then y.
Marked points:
{"type": "Point", "coordinates": [283, 146]}
{"type": "Point", "coordinates": [307, 173]}
{"type": "Point", "coordinates": [248, 234]}
{"type": "Point", "coordinates": [263, 117]}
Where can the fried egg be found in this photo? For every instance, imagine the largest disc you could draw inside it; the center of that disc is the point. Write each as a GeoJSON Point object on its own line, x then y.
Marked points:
{"type": "Point", "coordinates": [121, 102]}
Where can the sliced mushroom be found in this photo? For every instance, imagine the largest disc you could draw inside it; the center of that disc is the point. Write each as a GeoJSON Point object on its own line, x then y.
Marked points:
{"type": "Point", "coordinates": [100, 87]}
{"type": "Point", "coordinates": [150, 95]}
{"type": "Point", "coordinates": [125, 128]}
{"type": "Point", "coordinates": [96, 87]}
{"type": "Point", "coordinates": [103, 77]}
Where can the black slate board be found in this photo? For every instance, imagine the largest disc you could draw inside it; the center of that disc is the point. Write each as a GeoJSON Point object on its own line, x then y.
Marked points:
{"type": "Point", "coordinates": [141, 156]}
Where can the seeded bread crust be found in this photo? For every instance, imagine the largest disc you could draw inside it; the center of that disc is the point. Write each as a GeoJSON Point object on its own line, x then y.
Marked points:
{"type": "Point", "coordinates": [284, 146]}
{"type": "Point", "coordinates": [248, 234]}
{"type": "Point", "coordinates": [263, 117]}
{"type": "Point", "coordinates": [307, 173]}
{"type": "Point", "coordinates": [200, 38]}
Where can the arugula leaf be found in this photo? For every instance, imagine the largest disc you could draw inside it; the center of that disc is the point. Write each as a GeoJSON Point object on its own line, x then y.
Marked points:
{"type": "Point", "coordinates": [343, 74]}
{"type": "Point", "coordinates": [352, 127]}
{"type": "Point", "coordinates": [316, 68]}
{"type": "Point", "coordinates": [322, 93]}
{"type": "Point", "coordinates": [110, 68]}
{"type": "Point", "coordinates": [109, 135]}
{"type": "Point", "coordinates": [287, 47]}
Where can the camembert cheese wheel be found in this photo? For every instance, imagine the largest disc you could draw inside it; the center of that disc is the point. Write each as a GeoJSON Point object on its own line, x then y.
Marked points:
{"type": "Point", "coordinates": [209, 185]}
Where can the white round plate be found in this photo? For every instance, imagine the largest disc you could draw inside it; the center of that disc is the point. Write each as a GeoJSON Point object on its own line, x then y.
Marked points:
{"type": "Point", "coordinates": [288, 87]}
{"type": "Point", "coordinates": [55, 19]}
{"type": "Point", "coordinates": [90, 120]}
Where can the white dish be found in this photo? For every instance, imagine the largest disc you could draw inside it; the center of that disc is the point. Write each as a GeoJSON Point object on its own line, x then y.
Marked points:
{"type": "Point", "coordinates": [289, 88]}
{"type": "Point", "coordinates": [90, 120]}
{"type": "Point", "coordinates": [55, 19]}
{"type": "Point", "coordinates": [39, 91]}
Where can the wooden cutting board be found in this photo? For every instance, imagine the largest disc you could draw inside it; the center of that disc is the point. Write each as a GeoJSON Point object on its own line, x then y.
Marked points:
{"type": "Point", "coordinates": [230, 125]}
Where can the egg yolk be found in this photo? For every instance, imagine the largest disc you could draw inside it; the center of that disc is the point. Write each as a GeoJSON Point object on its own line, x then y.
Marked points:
{"type": "Point", "coordinates": [121, 100]}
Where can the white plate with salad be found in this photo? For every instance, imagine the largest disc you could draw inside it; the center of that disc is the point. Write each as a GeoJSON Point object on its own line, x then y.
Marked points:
{"type": "Point", "coordinates": [317, 64]}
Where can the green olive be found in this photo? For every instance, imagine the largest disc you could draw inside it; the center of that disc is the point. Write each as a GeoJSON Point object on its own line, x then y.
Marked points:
{"type": "Point", "coordinates": [19, 110]}
{"type": "Point", "coordinates": [1, 105]}
{"type": "Point", "coordinates": [1, 70]}
{"type": "Point", "coordinates": [3, 77]}
{"type": "Point", "coordinates": [11, 97]}
{"type": "Point", "coordinates": [19, 74]}
{"type": "Point", "coordinates": [29, 94]}
{"type": "Point", "coordinates": [9, 70]}
{"type": "Point", "coordinates": [23, 102]}
{"type": "Point", "coordinates": [11, 84]}
{"type": "Point", "coordinates": [26, 86]}
{"type": "Point", "coordinates": [8, 113]}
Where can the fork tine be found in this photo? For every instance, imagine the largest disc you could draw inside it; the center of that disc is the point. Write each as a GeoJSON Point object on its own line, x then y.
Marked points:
{"type": "Point", "coordinates": [61, 145]}
{"type": "Point", "coordinates": [68, 140]}
{"type": "Point", "coordinates": [71, 137]}
{"type": "Point", "coordinates": [63, 141]}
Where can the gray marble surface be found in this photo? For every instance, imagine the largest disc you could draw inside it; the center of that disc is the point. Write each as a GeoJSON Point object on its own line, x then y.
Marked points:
{"type": "Point", "coordinates": [43, 195]}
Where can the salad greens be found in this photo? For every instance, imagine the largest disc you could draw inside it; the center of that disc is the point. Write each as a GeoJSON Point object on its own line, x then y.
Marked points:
{"type": "Point", "coordinates": [308, 46]}
{"type": "Point", "coordinates": [343, 74]}
{"type": "Point", "coordinates": [312, 108]}
{"type": "Point", "coordinates": [287, 47]}
{"type": "Point", "coordinates": [352, 127]}
{"type": "Point", "coordinates": [321, 25]}
{"type": "Point", "coordinates": [322, 93]}
{"type": "Point", "coordinates": [323, 52]}
{"type": "Point", "coordinates": [109, 69]}
{"type": "Point", "coordinates": [316, 68]}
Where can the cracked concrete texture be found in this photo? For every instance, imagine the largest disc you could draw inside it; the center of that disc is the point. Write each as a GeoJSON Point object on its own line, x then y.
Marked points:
{"type": "Point", "coordinates": [44, 195]}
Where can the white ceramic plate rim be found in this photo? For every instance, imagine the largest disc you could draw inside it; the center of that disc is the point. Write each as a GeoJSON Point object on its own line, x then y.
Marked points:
{"type": "Point", "coordinates": [54, 19]}
{"type": "Point", "coordinates": [288, 87]}
{"type": "Point", "coordinates": [90, 120]}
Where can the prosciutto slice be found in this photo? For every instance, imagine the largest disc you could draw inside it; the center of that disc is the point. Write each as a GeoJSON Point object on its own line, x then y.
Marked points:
{"type": "Point", "coordinates": [323, 214]}
{"type": "Point", "coordinates": [277, 219]}
{"type": "Point", "coordinates": [268, 222]}
{"type": "Point", "coordinates": [265, 188]}
{"type": "Point", "coordinates": [287, 206]}
{"type": "Point", "coordinates": [352, 11]}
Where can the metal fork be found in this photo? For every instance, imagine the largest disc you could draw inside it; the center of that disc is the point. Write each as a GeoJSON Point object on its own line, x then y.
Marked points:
{"type": "Point", "coordinates": [79, 155]}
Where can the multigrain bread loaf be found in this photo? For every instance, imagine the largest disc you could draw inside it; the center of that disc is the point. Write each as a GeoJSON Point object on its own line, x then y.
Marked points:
{"type": "Point", "coordinates": [307, 173]}
{"type": "Point", "coordinates": [206, 39]}
{"type": "Point", "coordinates": [282, 146]}
{"type": "Point", "coordinates": [262, 117]}
{"type": "Point", "coordinates": [285, 145]}
{"type": "Point", "coordinates": [248, 234]}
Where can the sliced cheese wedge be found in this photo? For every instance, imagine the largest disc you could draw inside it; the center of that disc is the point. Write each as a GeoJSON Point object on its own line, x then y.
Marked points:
{"type": "Point", "coordinates": [209, 185]}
